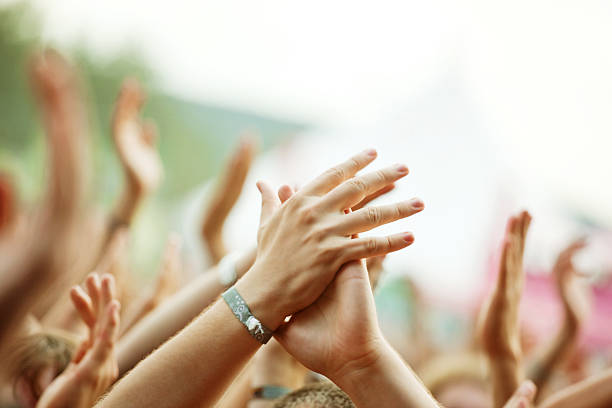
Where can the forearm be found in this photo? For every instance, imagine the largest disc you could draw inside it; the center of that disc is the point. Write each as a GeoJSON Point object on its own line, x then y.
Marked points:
{"type": "Point", "coordinates": [594, 392]}
{"type": "Point", "coordinates": [388, 382]}
{"type": "Point", "coordinates": [506, 375]}
{"type": "Point", "coordinates": [239, 392]}
{"type": "Point", "coordinates": [553, 354]}
{"type": "Point", "coordinates": [171, 316]}
{"type": "Point", "coordinates": [193, 368]}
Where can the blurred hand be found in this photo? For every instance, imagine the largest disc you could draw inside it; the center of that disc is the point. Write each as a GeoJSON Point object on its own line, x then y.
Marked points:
{"type": "Point", "coordinates": [93, 368]}
{"type": "Point", "coordinates": [523, 396]}
{"type": "Point", "coordinates": [573, 295]}
{"type": "Point", "coordinates": [225, 195]}
{"type": "Point", "coordinates": [135, 140]}
{"type": "Point", "coordinates": [304, 242]}
{"type": "Point", "coordinates": [499, 323]}
{"type": "Point", "coordinates": [339, 329]}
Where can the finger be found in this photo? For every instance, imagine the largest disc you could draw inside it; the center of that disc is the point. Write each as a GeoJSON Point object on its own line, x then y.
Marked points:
{"type": "Point", "coordinates": [269, 201]}
{"type": "Point", "coordinates": [285, 192]}
{"type": "Point", "coordinates": [373, 197]}
{"type": "Point", "coordinates": [356, 189]}
{"type": "Point", "coordinates": [93, 289]}
{"type": "Point", "coordinates": [367, 247]}
{"type": "Point", "coordinates": [104, 343]}
{"type": "Point", "coordinates": [81, 351]}
{"type": "Point", "coordinates": [82, 304]}
{"type": "Point", "coordinates": [337, 174]}
{"type": "Point", "coordinates": [372, 217]}
{"type": "Point", "coordinates": [503, 265]}
{"type": "Point", "coordinates": [108, 289]}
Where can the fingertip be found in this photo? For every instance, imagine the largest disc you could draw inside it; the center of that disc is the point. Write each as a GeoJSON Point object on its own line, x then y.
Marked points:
{"type": "Point", "coordinates": [417, 204]}
{"type": "Point", "coordinates": [371, 152]}
{"type": "Point", "coordinates": [408, 238]}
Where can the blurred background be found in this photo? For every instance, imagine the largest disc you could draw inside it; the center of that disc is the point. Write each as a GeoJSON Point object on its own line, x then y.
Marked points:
{"type": "Point", "coordinates": [494, 106]}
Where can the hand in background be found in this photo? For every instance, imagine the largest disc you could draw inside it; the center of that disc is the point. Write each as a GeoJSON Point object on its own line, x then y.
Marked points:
{"type": "Point", "coordinates": [135, 140]}
{"type": "Point", "coordinates": [573, 295]}
{"type": "Point", "coordinates": [499, 329]}
{"type": "Point", "coordinates": [94, 367]}
{"type": "Point", "coordinates": [499, 321]}
{"type": "Point", "coordinates": [224, 196]}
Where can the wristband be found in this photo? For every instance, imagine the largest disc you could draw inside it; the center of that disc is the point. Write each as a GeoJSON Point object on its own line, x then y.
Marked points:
{"type": "Point", "coordinates": [270, 392]}
{"type": "Point", "coordinates": [240, 309]}
{"type": "Point", "coordinates": [226, 269]}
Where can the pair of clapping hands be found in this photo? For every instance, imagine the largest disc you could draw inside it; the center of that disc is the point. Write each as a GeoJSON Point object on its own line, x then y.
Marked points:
{"type": "Point", "coordinates": [307, 264]}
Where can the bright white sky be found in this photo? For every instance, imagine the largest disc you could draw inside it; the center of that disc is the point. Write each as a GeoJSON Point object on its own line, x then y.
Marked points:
{"type": "Point", "coordinates": [536, 74]}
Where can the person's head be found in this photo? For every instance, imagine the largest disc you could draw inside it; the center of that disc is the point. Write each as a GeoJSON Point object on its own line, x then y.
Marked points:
{"type": "Point", "coordinates": [37, 359]}
{"type": "Point", "coordinates": [316, 395]}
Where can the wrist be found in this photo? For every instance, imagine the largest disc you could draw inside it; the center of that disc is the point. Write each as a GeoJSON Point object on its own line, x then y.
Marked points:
{"type": "Point", "coordinates": [263, 299]}
{"type": "Point", "coordinates": [355, 373]}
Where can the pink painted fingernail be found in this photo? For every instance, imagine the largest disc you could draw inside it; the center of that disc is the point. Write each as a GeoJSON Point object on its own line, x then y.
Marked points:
{"type": "Point", "coordinates": [401, 168]}
{"type": "Point", "coordinates": [417, 204]}
{"type": "Point", "coordinates": [408, 238]}
{"type": "Point", "coordinates": [371, 152]}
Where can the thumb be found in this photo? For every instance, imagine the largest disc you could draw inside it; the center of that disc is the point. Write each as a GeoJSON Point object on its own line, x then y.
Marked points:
{"type": "Point", "coordinates": [269, 201]}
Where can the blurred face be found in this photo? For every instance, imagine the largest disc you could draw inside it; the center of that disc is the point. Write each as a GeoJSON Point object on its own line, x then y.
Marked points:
{"type": "Point", "coordinates": [464, 394]}
{"type": "Point", "coordinates": [29, 387]}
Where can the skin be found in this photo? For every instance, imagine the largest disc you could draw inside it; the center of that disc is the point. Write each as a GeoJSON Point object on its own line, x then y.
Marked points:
{"type": "Point", "coordinates": [94, 366]}
{"type": "Point", "coordinates": [523, 396]}
{"type": "Point", "coordinates": [499, 325]}
{"type": "Point", "coordinates": [301, 246]}
{"type": "Point", "coordinates": [34, 259]}
{"type": "Point", "coordinates": [575, 305]}
{"type": "Point", "coordinates": [225, 195]}
{"type": "Point", "coordinates": [594, 392]}
{"type": "Point", "coordinates": [167, 283]}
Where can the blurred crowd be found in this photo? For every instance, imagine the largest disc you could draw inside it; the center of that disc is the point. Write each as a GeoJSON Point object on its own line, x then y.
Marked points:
{"type": "Point", "coordinates": [291, 322]}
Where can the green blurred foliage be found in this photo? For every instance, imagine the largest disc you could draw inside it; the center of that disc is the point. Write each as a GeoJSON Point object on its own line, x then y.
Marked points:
{"type": "Point", "coordinates": [193, 139]}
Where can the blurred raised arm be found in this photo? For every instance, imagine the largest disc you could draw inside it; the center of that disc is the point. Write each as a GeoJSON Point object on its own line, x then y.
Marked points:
{"type": "Point", "coordinates": [499, 321]}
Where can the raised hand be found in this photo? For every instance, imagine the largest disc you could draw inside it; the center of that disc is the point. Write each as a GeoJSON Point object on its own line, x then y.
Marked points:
{"type": "Point", "coordinates": [339, 328]}
{"type": "Point", "coordinates": [573, 296]}
{"type": "Point", "coordinates": [312, 233]}
{"type": "Point", "coordinates": [225, 195]}
{"type": "Point", "coordinates": [499, 322]}
{"type": "Point", "coordinates": [575, 302]}
{"type": "Point", "coordinates": [94, 367]}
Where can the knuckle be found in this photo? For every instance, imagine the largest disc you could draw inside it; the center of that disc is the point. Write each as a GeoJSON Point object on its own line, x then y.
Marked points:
{"type": "Point", "coordinates": [307, 215]}
{"type": "Point", "coordinates": [374, 215]}
{"type": "Point", "coordinates": [381, 175]}
{"type": "Point", "coordinates": [371, 246]}
{"type": "Point", "coordinates": [358, 185]}
{"type": "Point", "coordinates": [337, 173]}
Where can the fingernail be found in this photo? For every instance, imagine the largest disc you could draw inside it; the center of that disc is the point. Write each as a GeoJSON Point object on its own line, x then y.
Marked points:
{"type": "Point", "coordinates": [417, 204]}
{"type": "Point", "coordinates": [258, 184]}
{"type": "Point", "coordinates": [408, 238]}
{"type": "Point", "coordinates": [371, 152]}
{"type": "Point", "coordinates": [401, 168]}
{"type": "Point", "coordinates": [522, 403]}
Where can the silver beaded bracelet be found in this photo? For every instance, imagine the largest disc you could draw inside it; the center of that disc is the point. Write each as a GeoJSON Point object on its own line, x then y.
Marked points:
{"type": "Point", "coordinates": [242, 312]}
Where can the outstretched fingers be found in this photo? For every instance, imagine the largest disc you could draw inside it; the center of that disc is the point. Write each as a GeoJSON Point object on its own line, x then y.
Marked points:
{"type": "Point", "coordinates": [339, 173]}
{"type": "Point", "coordinates": [368, 218]}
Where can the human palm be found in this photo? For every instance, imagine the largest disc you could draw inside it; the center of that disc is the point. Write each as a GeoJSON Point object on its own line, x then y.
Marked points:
{"type": "Point", "coordinates": [339, 328]}
{"type": "Point", "coordinates": [135, 140]}
{"type": "Point", "coordinates": [499, 331]}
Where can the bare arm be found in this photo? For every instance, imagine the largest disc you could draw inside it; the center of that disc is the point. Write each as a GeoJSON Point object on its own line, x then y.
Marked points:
{"type": "Point", "coordinates": [594, 392]}
{"type": "Point", "coordinates": [499, 326]}
{"type": "Point", "coordinates": [174, 314]}
{"type": "Point", "coordinates": [291, 271]}
{"type": "Point", "coordinates": [574, 309]}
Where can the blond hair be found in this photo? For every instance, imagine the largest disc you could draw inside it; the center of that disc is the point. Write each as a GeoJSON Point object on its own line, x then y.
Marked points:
{"type": "Point", "coordinates": [316, 395]}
